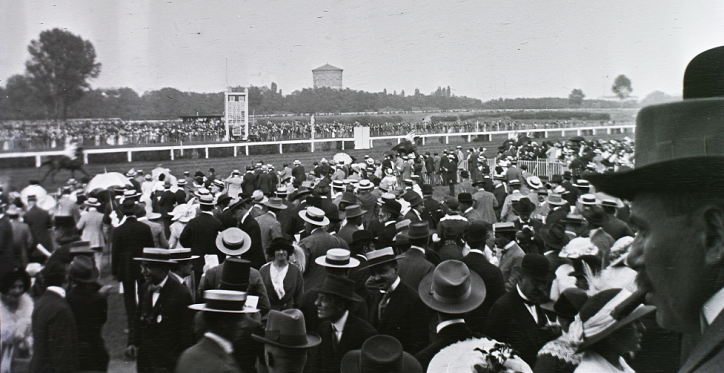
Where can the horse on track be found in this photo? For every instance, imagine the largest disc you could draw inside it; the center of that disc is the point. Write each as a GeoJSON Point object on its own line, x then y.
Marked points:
{"type": "Point", "coordinates": [72, 160]}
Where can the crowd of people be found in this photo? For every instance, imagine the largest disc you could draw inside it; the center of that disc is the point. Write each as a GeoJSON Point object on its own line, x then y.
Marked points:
{"type": "Point", "coordinates": [89, 133]}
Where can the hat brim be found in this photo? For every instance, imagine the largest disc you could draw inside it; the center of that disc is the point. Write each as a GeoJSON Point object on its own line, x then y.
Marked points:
{"type": "Point", "coordinates": [187, 259]}
{"type": "Point", "coordinates": [350, 363]}
{"type": "Point", "coordinates": [202, 307]}
{"type": "Point", "coordinates": [473, 301]}
{"type": "Point", "coordinates": [419, 236]}
{"type": "Point", "coordinates": [303, 215]}
{"type": "Point", "coordinates": [244, 248]}
{"type": "Point", "coordinates": [668, 176]}
{"type": "Point", "coordinates": [362, 212]}
{"type": "Point", "coordinates": [313, 340]}
{"type": "Point", "coordinates": [276, 207]}
{"type": "Point", "coordinates": [353, 263]}
{"type": "Point", "coordinates": [95, 275]}
{"type": "Point", "coordinates": [638, 313]}
{"type": "Point", "coordinates": [369, 264]}
{"type": "Point", "coordinates": [168, 261]}
{"type": "Point", "coordinates": [355, 297]}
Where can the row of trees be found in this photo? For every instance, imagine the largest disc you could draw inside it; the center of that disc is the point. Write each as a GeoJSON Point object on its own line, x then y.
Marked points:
{"type": "Point", "coordinates": [56, 85]}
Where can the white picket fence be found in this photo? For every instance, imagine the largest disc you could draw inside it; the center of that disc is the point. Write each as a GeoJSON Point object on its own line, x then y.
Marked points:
{"type": "Point", "coordinates": [246, 145]}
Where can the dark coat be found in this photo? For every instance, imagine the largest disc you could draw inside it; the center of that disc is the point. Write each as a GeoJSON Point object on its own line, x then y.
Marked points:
{"type": "Point", "coordinates": [510, 321]}
{"type": "Point", "coordinates": [162, 332]}
{"type": "Point", "coordinates": [248, 183]}
{"type": "Point", "coordinates": [180, 196]}
{"type": "Point", "coordinates": [500, 194]}
{"type": "Point", "coordinates": [55, 338]}
{"type": "Point", "coordinates": [199, 235]}
{"type": "Point", "coordinates": [326, 358]}
{"type": "Point", "coordinates": [433, 211]}
{"type": "Point", "coordinates": [90, 310]}
{"type": "Point", "coordinates": [293, 288]}
{"type": "Point", "coordinates": [206, 357]}
{"type": "Point", "coordinates": [129, 239]}
{"type": "Point", "coordinates": [448, 335]}
{"type": "Point", "coordinates": [256, 252]}
{"type": "Point", "coordinates": [405, 318]}
{"type": "Point", "coordinates": [494, 288]}
{"type": "Point", "coordinates": [413, 267]}
{"type": "Point", "coordinates": [616, 227]}
{"type": "Point", "coordinates": [212, 280]}
{"type": "Point", "coordinates": [40, 224]}
{"type": "Point", "coordinates": [7, 246]}
{"type": "Point", "coordinates": [316, 245]}
{"type": "Point", "coordinates": [299, 175]}
{"type": "Point", "coordinates": [346, 232]}
{"type": "Point", "coordinates": [265, 183]}
{"type": "Point", "coordinates": [166, 202]}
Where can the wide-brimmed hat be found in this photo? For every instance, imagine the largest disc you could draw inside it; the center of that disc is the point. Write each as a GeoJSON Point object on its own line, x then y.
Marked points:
{"type": "Point", "coordinates": [595, 322]}
{"type": "Point", "coordinates": [314, 215]}
{"type": "Point", "coordinates": [182, 254]}
{"type": "Point", "coordinates": [354, 211]}
{"type": "Point", "coordinates": [233, 241]}
{"type": "Point", "coordinates": [555, 199]}
{"type": "Point", "coordinates": [153, 215]}
{"type": "Point", "coordinates": [258, 196]}
{"type": "Point", "coordinates": [392, 206]}
{"type": "Point", "coordinates": [348, 197]}
{"type": "Point", "coordinates": [594, 215]}
{"type": "Point", "coordinates": [82, 269]}
{"type": "Point", "coordinates": [155, 254]}
{"type": "Point", "coordinates": [286, 329]}
{"type": "Point", "coordinates": [380, 256]}
{"type": "Point", "coordinates": [534, 182]}
{"type": "Point", "coordinates": [365, 184]}
{"type": "Point", "coordinates": [419, 229]}
{"type": "Point", "coordinates": [339, 286]}
{"type": "Point", "coordinates": [206, 199]}
{"type": "Point", "coordinates": [275, 203]}
{"type": "Point", "coordinates": [568, 304]}
{"type": "Point", "coordinates": [361, 237]}
{"type": "Point", "coordinates": [523, 206]}
{"type": "Point", "coordinates": [224, 301]}
{"type": "Point", "coordinates": [554, 236]}
{"type": "Point", "coordinates": [380, 353]}
{"type": "Point", "coordinates": [452, 288]}
{"type": "Point", "coordinates": [337, 258]}
{"type": "Point", "coordinates": [536, 266]}
{"type": "Point", "coordinates": [578, 247]}
{"type": "Point", "coordinates": [235, 274]}
{"type": "Point", "coordinates": [92, 201]}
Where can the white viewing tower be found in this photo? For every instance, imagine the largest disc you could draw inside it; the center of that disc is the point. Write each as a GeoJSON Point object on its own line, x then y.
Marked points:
{"type": "Point", "coordinates": [236, 114]}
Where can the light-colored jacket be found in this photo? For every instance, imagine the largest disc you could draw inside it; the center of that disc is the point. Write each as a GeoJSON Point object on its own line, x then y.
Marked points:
{"type": "Point", "coordinates": [91, 223]}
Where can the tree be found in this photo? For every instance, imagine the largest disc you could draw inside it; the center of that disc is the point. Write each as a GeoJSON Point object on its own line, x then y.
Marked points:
{"type": "Point", "coordinates": [59, 67]}
{"type": "Point", "coordinates": [622, 87]}
{"type": "Point", "coordinates": [576, 97]}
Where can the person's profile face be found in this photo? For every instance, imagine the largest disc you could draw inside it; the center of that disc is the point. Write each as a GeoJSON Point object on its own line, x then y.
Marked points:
{"type": "Point", "coordinates": [153, 273]}
{"type": "Point", "coordinates": [535, 289]}
{"type": "Point", "coordinates": [669, 256]}
{"type": "Point", "coordinates": [501, 240]}
{"type": "Point", "coordinates": [327, 308]}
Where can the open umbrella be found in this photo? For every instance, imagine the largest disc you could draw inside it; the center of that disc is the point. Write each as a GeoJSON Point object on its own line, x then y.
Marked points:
{"type": "Point", "coordinates": [342, 158]}
{"type": "Point", "coordinates": [106, 180]}
{"type": "Point", "coordinates": [156, 172]}
{"type": "Point", "coordinates": [43, 200]}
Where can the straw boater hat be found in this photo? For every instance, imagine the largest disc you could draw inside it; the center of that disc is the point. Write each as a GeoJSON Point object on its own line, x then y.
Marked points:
{"type": "Point", "coordinates": [92, 201]}
{"type": "Point", "coordinates": [314, 216]}
{"type": "Point", "coordinates": [206, 199]}
{"type": "Point", "coordinates": [588, 199]}
{"type": "Point", "coordinates": [155, 254]}
{"type": "Point", "coordinates": [534, 182]}
{"type": "Point", "coordinates": [182, 254]}
{"type": "Point", "coordinates": [365, 184]}
{"type": "Point", "coordinates": [452, 288]}
{"type": "Point", "coordinates": [286, 329]}
{"type": "Point", "coordinates": [233, 241]}
{"type": "Point", "coordinates": [555, 199]}
{"type": "Point", "coordinates": [224, 301]}
{"type": "Point", "coordinates": [380, 353]}
{"type": "Point", "coordinates": [337, 258]}
{"type": "Point", "coordinates": [381, 256]}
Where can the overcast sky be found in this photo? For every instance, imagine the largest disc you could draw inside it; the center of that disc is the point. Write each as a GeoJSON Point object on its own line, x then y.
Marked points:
{"type": "Point", "coordinates": [480, 48]}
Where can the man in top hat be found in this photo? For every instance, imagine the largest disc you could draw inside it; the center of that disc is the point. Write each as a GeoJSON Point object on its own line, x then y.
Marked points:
{"type": "Point", "coordinates": [264, 182]}
{"type": "Point", "coordinates": [128, 242]}
{"type": "Point", "coordinates": [452, 290]}
{"type": "Point", "coordinates": [182, 268]}
{"type": "Point", "coordinates": [517, 318]}
{"type": "Point", "coordinates": [510, 255]}
{"type": "Point", "coordinates": [166, 203]}
{"type": "Point", "coordinates": [162, 323]}
{"type": "Point", "coordinates": [484, 202]}
{"type": "Point", "coordinates": [40, 224]}
{"type": "Point", "coordinates": [388, 215]}
{"type": "Point", "coordinates": [316, 244]}
{"type": "Point", "coordinates": [200, 233]}
{"type": "Point", "coordinates": [234, 243]}
{"type": "Point", "coordinates": [269, 224]}
{"type": "Point", "coordinates": [248, 184]}
{"type": "Point", "coordinates": [366, 200]}
{"type": "Point", "coordinates": [18, 240]}
{"type": "Point", "coordinates": [353, 221]}
{"type": "Point", "coordinates": [285, 216]}
{"type": "Point", "coordinates": [419, 260]}
{"type": "Point", "coordinates": [417, 206]}
{"type": "Point", "coordinates": [223, 316]}
{"type": "Point", "coordinates": [396, 309]}
{"type": "Point", "coordinates": [466, 207]}
{"type": "Point", "coordinates": [529, 228]}
{"type": "Point", "coordinates": [250, 226]}
{"type": "Point", "coordinates": [286, 341]}
{"type": "Point", "coordinates": [380, 353]}
{"type": "Point", "coordinates": [477, 261]}
{"type": "Point", "coordinates": [298, 173]}
{"type": "Point", "coordinates": [341, 330]}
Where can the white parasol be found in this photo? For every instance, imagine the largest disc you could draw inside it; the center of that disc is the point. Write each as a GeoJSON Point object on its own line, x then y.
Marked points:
{"type": "Point", "coordinates": [342, 158]}
{"type": "Point", "coordinates": [462, 357]}
{"type": "Point", "coordinates": [107, 180]}
{"type": "Point", "coordinates": [44, 201]}
{"type": "Point", "coordinates": [156, 172]}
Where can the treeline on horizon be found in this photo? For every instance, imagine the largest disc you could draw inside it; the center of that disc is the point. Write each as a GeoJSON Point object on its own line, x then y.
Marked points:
{"type": "Point", "coordinates": [170, 103]}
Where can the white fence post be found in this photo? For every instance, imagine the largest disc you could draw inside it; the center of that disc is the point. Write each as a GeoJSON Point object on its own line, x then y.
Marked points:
{"type": "Point", "coordinates": [172, 154]}
{"type": "Point", "coordinates": [423, 140]}
{"type": "Point", "coordinates": [207, 152]}
{"type": "Point", "coordinates": [85, 158]}
{"type": "Point", "coordinates": [447, 140]}
{"type": "Point", "coordinates": [235, 151]}
{"type": "Point", "coordinates": [280, 148]}
{"type": "Point", "coordinates": [247, 150]}
{"type": "Point", "coordinates": [38, 161]}
{"type": "Point", "coordinates": [130, 159]}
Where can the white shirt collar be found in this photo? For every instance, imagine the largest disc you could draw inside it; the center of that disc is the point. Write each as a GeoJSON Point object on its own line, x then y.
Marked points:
{"type": "Point", "coordinates": [393, 286]}
{"type": "Point", "coordinates": [339, 325]}
{"type": "Point", "coordinates": [476, 251]}
{"type": "Point", "coordinates": [208, 212]}
{"type": "Point", "coordinates": [390, 222]}
{"type": "Point", "coordinates": [445, 323]}
{"type": "Point", "coordinates": [468, 210]}
{"type": "Point", "coordinates": [509, 245]}
{"type": "Point", "coordinates": [531, 308]}
{"type": "Point", "coordinates": [422, 250]}
{"type": "Point", "coordinates": [179, 278]}
{"type": "Point", "coordinates": [57, 289]}
{"type": "Point", "coordinates": [713, 307]}
{"type": "Point", "coordinates": [222, 342]}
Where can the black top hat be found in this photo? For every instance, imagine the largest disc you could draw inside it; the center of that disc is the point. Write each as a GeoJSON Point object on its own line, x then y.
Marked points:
{"type": "Point", "coordinates": [392, 206]}
{"type": "Point", "coordinates": [536, 266]}
{"type": "Point", "coordinates": [419, 229]}
{"type": "Point", "coordinates": [235, 274]}
{"type": "Point", "coordinates": [523, 206]}
{"type": "Point", "coordinates": [341, 287]}
{"type": "Point", "coordinates": [465, 197]}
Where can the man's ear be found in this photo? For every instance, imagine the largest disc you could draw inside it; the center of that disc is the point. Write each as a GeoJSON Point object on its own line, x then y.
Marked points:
{"type": "Point", "coordinates": [714, 235]}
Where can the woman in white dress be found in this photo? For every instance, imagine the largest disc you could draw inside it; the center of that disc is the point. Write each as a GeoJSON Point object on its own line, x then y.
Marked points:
{"type": "Point", "coordinates": [15, 313]}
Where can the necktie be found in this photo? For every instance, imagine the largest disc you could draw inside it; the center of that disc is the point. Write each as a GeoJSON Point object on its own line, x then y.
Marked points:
{"type": "Point", "coordinates": [383, 304]}
{"type": "Point", "coordinates": [335, 339]}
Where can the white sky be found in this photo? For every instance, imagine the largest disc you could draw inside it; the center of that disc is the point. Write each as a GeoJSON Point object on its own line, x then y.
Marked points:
{"type": "Point", "coordinates": [480, 48]}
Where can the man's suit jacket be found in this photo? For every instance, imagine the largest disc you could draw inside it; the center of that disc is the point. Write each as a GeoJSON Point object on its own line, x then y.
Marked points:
{"type": "Point", "coordinates": [180, 196]}
{"type": "Point", "coordinates": [500, 194]}
{"type": "Point", "coordinates": [159, 237]}
{"type": "Point", "coordinates": [166, 202]}
{"type": "Point", "coordinates": [270, 228]}
{"type": "Point", "coordinates": [510, 262]}
{"type": "Point", "coordinates": [405, 317]}
{"type": "Point", "coordinates": [494, 288]}
{"type": "Point", "coordinates": [510, 321]}
{"type": "Point", "coordinates": [265, 183]}
{"type": "Point", "coordinates": [90, 310]}
{"type": "Point", "coordinates": [473, 215]}
{"type": "Point", "coordinates": [55, 345]}
{"type": "Point", "coordinates": [413, 267]}
{"type": "Point", "coordinates": [326, 357]}
{"type": "Point", "coordinates": [206, 356]}
{"type": "Point", "coordinates": [299, 175]}
{"type": "Point", "coordinates": [616, 227]}
{"type": "Point", "coordinates": [413, 215]}
{"type": "Point", "coordinates": [293, 288]}
{"type": "Point", "coordinates": [387, 233]}
{"type": "Point", "coordinates": [448, 335]}
{"type": "Point", "coordinates": [212, 280]}
{"type": "Point", "coordinates": [485, 203]}
{"type": "Point", "coordinates": [256, 252]}
{"type": "Point", "coordinates": [162, 331]}
{"type": "Point", "coordinates": [248, 183]}
{"type": "Point", "coordinates": [346, 232]}
{"type": "Point", "coordinates": [199, 235]}
{"type": "Point", "coordinates": [129, 239]}
{"type": "Point", "coordinates": [40, 224]}
{"type": "Point", "coordinates": [433, 211]}
{"type": "Point", "coordinates": [316, 245]}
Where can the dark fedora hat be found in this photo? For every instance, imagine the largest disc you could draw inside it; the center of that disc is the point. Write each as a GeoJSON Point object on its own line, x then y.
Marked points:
{"type": "Point", "coordinates": [82, 269]}
{"type": "Point", "coordinates": [477, 232]}
{"type": "Point", "coordinates": [129, 206]}
{"type": "Point", "coordinates": [286, 329]}
{"type": "Point", "coordinates": [354, 211]}
{"type": "Point", "coordinates": [536, 266]}
{"type": "Point", "coordinates": [452, 288]}
{"type": "Point", "coordinates": [348, 197]}
{"type": "Point", "coordinates": [339, 286]}
{"type": "Point", "coordinates": [362, 237]}
{"type": "Point", "coordinates": [380, 353]}
{"type": "Point", "coordinates": [275, 203]}
{"type": "Point", "coordinates": [392, 206]}
{"type": "Point", "coordinates": [569, 303]}
{"type": "Point", "coordinates": [235, 274]}
{"type": "Point", "coordinates": [678, 140]}
{"type": "Point", "coordinates": [554, 236]}
{"type": "Point", "coordinates": [419, 229]}
{"type": "Point", "coordinates": [301, 192]}
{"type": "Point", "coordinates": [523, 206]}
{"type": "Point", "coordinates": [465, 197]}
{"type": "Point", "coordinates": [594, 215]}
